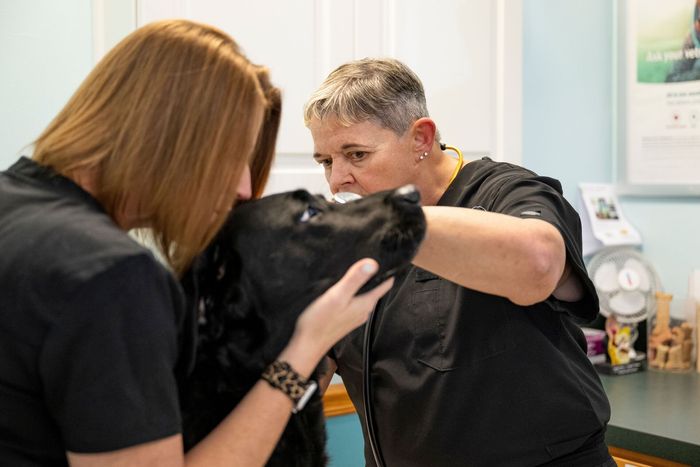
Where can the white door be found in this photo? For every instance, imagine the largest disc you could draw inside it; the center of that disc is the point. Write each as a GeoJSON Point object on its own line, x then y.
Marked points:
{"type": "Point", "coordinates": [467, 52]}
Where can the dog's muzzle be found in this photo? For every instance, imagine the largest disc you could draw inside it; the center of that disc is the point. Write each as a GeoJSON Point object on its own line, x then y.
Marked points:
{"type": "Point", "coordinates": [406, 194]}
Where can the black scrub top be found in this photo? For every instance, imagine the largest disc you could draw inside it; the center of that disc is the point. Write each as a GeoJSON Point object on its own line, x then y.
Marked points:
{"type": "Point", "coordinates": [93, 330]}
{"type": "Point", "coordinates": [460, 377]}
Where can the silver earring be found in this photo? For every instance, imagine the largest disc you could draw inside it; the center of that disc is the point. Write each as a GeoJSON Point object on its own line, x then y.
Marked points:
{"type": "Point", "coordinates": [423, 156]}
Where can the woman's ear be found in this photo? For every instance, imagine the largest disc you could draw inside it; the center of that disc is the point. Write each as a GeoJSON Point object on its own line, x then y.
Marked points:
{"type": "Point", "coordinates": [423, 133]}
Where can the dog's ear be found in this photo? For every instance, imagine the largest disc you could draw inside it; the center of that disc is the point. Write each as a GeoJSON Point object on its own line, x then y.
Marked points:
{"type": "Point", "coordinates": [216, 274]}
{"type": "Point", "coordinates": [230, 324]}
{"type": "Point", "coordinates": [241, 328]}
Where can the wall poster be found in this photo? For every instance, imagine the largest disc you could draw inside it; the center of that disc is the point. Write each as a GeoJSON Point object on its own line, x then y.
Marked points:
{"type": "Point", "coordinates": [658, 97]}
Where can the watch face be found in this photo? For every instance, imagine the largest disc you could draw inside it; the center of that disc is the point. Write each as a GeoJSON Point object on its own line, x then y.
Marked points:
{"type": "Point", "coordinates": [310, 389]}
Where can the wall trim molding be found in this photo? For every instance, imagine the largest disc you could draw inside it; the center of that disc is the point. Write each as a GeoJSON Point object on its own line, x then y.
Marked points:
{"type": "Point", "coordinates": [336, 401]}
{"type": "Point", "coordinates": [638, 459]}
{"type": "Point", "coordinates": [508, 100]}
{"type": "Point", "coordinates": [112, 20]}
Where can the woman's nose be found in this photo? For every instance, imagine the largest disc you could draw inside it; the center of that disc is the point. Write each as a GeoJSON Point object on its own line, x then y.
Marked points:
{"type": "Point", "coordinates": [339, 176]}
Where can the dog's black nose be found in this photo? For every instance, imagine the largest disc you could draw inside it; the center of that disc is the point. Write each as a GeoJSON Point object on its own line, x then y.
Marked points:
{"type": "Point", "coordinates": [407, 194]}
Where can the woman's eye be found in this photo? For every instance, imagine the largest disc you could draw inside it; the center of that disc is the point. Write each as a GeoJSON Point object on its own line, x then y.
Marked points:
{"type": "Point", "coordinates": [309, 213]}
{"type": "Point", "coordinates": [325, 162]}
{"type": "Point", "coordinates": [357, 155]}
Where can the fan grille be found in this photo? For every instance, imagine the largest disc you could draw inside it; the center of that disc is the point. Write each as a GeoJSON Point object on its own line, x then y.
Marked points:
{"type": "Point", "coordinates": [619, 257]}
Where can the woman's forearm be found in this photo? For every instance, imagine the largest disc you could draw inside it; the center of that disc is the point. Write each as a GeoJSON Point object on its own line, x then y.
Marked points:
{"type": "Point", "coordinates": [520, 259]}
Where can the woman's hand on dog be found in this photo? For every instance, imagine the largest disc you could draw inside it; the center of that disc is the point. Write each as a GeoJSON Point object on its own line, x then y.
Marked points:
{"type": "Point", "coordinates": [333, 315]}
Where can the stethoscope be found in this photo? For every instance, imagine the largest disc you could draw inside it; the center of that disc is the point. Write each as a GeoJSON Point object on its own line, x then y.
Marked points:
{"type": "Point", "coordinates": [342, 198]}
{"type": "Point", "coordinates": [367, 388]}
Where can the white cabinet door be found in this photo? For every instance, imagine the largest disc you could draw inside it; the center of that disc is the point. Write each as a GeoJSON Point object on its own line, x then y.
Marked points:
{"type": "Point", "coordinates": [457, 47]}
{"type": "Point", "coordinates": [449, 46]}
{"type": "Point", "coordinates": [278, 34]}
{"type": "Point", "coordinates": [467, 52]}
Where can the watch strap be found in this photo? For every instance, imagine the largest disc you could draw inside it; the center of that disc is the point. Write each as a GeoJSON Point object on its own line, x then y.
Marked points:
{"type": "Point", "coordinates": [282, 376]}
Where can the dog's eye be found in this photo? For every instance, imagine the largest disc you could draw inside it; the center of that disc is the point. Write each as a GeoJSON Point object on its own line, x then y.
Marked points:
{"type": "Point", "coordinates": [309, 213]}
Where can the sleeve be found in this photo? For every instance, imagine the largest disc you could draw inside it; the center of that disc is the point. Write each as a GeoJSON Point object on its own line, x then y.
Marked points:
{"type": "Point", "coordinates": [537, 197]}
{"type": "Point", "coordinates": [107, 364]}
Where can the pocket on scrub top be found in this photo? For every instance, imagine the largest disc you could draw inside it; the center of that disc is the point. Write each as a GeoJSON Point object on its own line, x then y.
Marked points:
{"type": "Point", "coordinates": [428, 322]}
{"type": "Point", "coordinates": [446, 335]}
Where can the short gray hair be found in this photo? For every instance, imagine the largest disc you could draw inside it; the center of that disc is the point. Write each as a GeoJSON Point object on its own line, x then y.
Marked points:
{"type": "Point", "coordinates": [382, 90]}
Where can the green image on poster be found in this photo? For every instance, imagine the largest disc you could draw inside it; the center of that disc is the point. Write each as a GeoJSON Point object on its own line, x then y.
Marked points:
{"type": "Point", "coordinates": [668, 41]}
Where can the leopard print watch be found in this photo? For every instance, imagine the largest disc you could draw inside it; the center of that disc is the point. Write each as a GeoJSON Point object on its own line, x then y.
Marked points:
{"type": "Point", "coordinates": [282, 376]}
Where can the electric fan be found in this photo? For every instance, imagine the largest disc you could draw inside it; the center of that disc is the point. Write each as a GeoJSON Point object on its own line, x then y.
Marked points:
{"type": "Point", "coordinates": [626, 285]}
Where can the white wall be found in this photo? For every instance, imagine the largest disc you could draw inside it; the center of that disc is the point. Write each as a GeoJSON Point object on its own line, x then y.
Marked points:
{"type": "Point", "coordinates": [45, 52]}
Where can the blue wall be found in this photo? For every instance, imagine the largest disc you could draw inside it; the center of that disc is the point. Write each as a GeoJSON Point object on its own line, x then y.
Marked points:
{"type": "Point", "coordinates": [345, 444]}
{"type": "Point", "coordinates": [568, 126]}
{"type": "Point", "coordinates": [567, 92]}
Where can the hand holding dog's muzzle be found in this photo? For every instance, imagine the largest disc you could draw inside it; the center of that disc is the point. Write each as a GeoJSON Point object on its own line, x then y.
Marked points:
{"type": "Point", "coordinates": [339, 310]}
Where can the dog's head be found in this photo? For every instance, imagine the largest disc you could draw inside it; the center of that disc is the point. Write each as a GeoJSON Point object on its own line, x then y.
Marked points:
{"type": "Point", "coordinates": [289, 247]}
{"type": "Point", "coordinates": [275, 255]}
{"type": "Point", "coordinates": [271, 259]}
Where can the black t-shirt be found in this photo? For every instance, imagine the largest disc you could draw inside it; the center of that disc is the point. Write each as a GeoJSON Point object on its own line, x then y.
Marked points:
{"type": "Point", "coordinates": [460, 377]}
{"type": "Point", "coordinates": [91, 326]}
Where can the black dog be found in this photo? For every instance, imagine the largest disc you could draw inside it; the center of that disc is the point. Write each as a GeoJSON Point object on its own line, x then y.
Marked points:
{"type": "Point", "coordinates": [272, 258]}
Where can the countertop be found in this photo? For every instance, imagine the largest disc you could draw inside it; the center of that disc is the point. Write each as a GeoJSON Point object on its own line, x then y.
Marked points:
{"type": "Point", "coordinates": [656, 413]}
